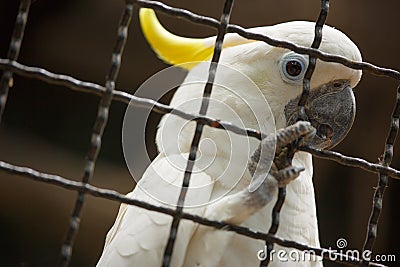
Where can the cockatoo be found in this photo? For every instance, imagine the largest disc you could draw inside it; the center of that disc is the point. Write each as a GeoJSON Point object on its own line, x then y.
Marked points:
{"type": "Point", "coordinates": [138, 236]}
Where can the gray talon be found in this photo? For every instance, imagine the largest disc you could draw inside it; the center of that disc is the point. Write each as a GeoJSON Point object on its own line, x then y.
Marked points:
{"type": "Point", "coordinates": [299, 130]}
{"type": "Point", "coordinates": [287, 175]}
{"type": "Point", "coordinates": [281, 169]}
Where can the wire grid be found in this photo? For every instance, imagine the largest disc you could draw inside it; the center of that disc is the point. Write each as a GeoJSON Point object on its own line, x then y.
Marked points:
{"type": "Point", "coordinates": [109, 94]}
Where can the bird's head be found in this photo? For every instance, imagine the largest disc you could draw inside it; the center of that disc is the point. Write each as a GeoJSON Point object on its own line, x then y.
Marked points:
{"type": "Point", "coordinates": [278, 72]}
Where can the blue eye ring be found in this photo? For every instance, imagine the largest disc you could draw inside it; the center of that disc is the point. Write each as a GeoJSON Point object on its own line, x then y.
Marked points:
{"type": "Point", "coordinates": [292, 67]}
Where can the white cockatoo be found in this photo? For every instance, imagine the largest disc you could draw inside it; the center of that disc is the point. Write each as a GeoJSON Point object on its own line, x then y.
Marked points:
{"type": "Point", "coordinates": [219, 189]}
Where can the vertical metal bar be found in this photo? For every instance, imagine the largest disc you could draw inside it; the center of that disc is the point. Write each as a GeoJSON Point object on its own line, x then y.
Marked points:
{"type": "Point", "coordinates": [13, 51]}
{"type": "Point", "coordinates": [222, 29]}
{"type": "Point", "coordinates": [97, 132]}
{"type": "Point", "coordinates": [302, 116]}
{"type": "Point", "coordinates": [312, 60]}
{"type": "Point", "coordinates": [383, 179]}
{"type": "Point", "coordinates": [275, 224]}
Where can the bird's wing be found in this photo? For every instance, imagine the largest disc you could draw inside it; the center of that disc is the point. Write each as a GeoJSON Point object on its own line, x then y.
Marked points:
{"type": "Point", "coordinates": [139, 236]}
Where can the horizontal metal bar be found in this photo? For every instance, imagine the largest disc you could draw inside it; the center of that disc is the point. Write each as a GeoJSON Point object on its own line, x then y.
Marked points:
{"type": "Point", "coordinates": [88, 87]}
{"type": "Point", "coordinates": [124, 97]}
{"type": "Point", "coordinates": [115, 196]}
{"type": "Point", "coordinates": [353, 162]}
{"type": "Point", "coordinates": [203, 20]}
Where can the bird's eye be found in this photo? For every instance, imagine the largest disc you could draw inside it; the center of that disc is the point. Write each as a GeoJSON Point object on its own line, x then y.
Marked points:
{"type": "Point", "coordinates": [293, 67]}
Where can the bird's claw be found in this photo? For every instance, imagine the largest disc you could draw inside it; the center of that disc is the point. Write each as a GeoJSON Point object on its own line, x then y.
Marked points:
{"type": "Point", "coordinates": [285, 142]}
{"type": "Point", "coordinates": [287, 175]}
{"type": "Point", "coordinates": [300, 132]}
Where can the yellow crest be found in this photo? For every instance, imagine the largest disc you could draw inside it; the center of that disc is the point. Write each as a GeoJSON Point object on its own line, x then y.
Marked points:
{"type": "Point", "coordinates": [177, 50]}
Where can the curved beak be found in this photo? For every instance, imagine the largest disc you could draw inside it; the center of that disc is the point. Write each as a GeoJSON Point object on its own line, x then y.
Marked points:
{"type": "Point", "coordinates": [331, 109]}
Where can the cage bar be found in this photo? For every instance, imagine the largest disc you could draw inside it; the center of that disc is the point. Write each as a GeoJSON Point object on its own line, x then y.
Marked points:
{"type": "Point", "coordinates": [97, 132]}
{"type": "Point", "coordinates": [6, 79]}
{"type": "Point", "coordinates": [222, 29]}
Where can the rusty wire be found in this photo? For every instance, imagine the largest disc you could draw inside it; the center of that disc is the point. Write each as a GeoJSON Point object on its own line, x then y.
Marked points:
{"type": "Point", "coordinates": [194, 147]}
{"type": "Point", "coordinates": [203, 20]}
{"type": "Point", "coordinates": [115, 196]}
{"type": "Point", "coordinates": [97, 132]}
{"type": "Point", "coordinates": [301, 116]}
{"type": "Point", "coordinates": [382, 179]}
{"type": "Point", "coordinates": [124, 97]}
{"type": "Point", "coordinates": [108, 93]}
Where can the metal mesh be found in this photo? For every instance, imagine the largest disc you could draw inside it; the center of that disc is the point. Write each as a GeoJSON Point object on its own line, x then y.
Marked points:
{"type": "Point", "coordinates": [108, 93]}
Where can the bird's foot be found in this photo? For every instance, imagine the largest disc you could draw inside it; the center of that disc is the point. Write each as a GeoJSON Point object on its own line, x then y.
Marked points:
{"type": "Point", "coordinates": [263, 163]}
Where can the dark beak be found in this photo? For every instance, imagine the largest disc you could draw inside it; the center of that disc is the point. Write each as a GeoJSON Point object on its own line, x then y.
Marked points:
{"type": "Point", "coordinates": [331, 109]}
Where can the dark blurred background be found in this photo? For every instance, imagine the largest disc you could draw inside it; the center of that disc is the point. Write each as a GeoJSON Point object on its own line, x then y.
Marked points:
{"type": "Point", "coordinates": [48, 127]}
